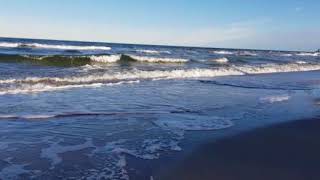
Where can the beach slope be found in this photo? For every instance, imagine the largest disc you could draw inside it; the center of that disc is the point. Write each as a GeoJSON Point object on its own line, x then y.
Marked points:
{"type": "Point", "coordinates": [286, 151]}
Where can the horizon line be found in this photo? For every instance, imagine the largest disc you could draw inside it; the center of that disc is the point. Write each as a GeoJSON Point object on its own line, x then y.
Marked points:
{"type": "Point", "coordinates": [142, 44]}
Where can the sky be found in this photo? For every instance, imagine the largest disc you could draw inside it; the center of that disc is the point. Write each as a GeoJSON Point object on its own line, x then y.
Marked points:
{"type": "Point", "coordinates": [254, 24]}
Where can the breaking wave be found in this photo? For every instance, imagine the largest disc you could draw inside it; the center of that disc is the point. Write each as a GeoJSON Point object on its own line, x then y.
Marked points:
{"type": "Point", "coordinates": [37, 87]}
{"type": "Point", "coordinates": [129, 75]}
{"type": "Point", "coordinates": [71, 60]}
{"type": "Point", "coordinates": [220, 60]}
{"type": "Point", "coordinates": [50, 46]}
{"type": "Point", "coordinates": [223, 52]}
{"type": "Point", "coordinates": [152, 51]}
{"type": "Point", "coordinates": [277, 68]}
{"type": "Point", "coordinates": [275, 99]}
{"type": "Point", "coordinates": [37, 84]}
{"type": "Point", "coordinates": [239, 53]}
{"type": "Point", "coordinates": [106, 58]}
{"type": "Point", "coordinates": [9, 45]}
{"type": "Point", "coordinates": [247, 53]}
{"type": "Point", "coordinates": [309, 54]}
{"type": "Point", "coordinates": [286, 55]}
{"type": "Point", "coordinates": [157, 59]}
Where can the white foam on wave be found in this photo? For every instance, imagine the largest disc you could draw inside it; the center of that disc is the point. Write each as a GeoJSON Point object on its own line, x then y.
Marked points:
{"type": "Point", "coordinates": [36, 57]}
{"type": "Point", "coordinates": [223, 52]}
{"type": "Point", "coordinates": [223, 60]}
{"type": "Point", "coordinates": [69, 47]}
{"type": "Point", "coordinates": [286, 55]}
{"type": "Point", "coordinates": [7, 116]}
{"type": "Point", "coordinates": [31, 117]}
{"type": "Point", "coordinates": [42, 87]}
{"type": "Point", "coordinates": [277, 68]}
{"type": "Point", "coordinates": [37, 116]}
{"type": "Point", "coordinates": [9, 45]}
{"type": "Point", "coordinates": [37, 84]}
{"type": "Point", "coordinates": [152, 51]}
{"type": "Point", "coordinates": [132, 75]}
{"type": "Point", "coordinates": [301, 62]}
{"type": "Point", "coordinates": [55, 149]}
{"type": "Point", "coordinates": [51, 46]}
{"type": "Point", "coordinates": [309, 54]}
{"type": "Point", "coordinates": [88, 67]}
{"type": "Point", "coordinates": [158, 59]}
{"type": "Point", "coordinates": [106, 58]}
{"type": "Point", "coordinates": [8, 81]}
{"type": "Point", "coordinates": [247, 53]}
{"type": "Point", "coordinates": [274, 99]}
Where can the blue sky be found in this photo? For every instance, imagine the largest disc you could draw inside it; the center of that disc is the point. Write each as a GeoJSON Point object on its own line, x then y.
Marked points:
{"type": "Point", "coordinates": [260, 24]}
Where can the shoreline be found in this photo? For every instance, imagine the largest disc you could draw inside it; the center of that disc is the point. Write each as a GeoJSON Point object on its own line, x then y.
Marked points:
{"type": "Point", "coordinates": [283, 151]}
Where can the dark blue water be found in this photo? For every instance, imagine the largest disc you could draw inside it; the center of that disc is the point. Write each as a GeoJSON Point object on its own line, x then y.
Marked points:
{"type": "Point", "coordinates": [80, 110]}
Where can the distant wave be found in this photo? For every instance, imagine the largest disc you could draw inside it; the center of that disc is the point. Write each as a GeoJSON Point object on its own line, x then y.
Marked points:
{"type": "Point", "coordinates": [220, 60]}
{"type": "Point", "coordinates": [286, 55]}
{"type": "Point", "coordinates": [40, 84]}
{"type": "Point", "coordinates": [276, 98]}
{"type": "Point", "coordinates": [239, 53]}
{"type": "Point", "coordinates": [223, 52]}
{"type": "Point", "coordinates": [68, 60]}
{"type": "Point", "coordinates": [157, 59]}
{"type": "Point", "coordinates": [301, 62]}
{"type": "Point", "coordinates": [309, 54]}
{"type": "Point", "coordinates": [247, 53]}
{"type": "Point", "coordinates": [9, 45]}
{"type": "Point", "coordinates": [55, 60]}
{"type": "Point", "coordinates": [152, 51]}
{"type": "Point", "coordinates": [51, 46]}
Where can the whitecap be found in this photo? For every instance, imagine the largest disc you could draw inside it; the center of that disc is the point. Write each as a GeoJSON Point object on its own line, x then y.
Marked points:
{"type": "Point", "coordinates": [308, 54]}
{"type": "Point", "coordinates": [277, 68]}
{"type": "Point", "coordinates": [223, 52]}
{"type": "Point", "coordinates": [40, 84]}
{"type": "Point", "coordinates": [286, 55]}
{"type": "Point", "coordinates": [301, 62]}
{"type": "Point", "coordinates": [158, 59]}
{"type": "Point", "coordinates": [247, 53]}
{"type": "Point", "coordinates": [275, 99]}
{"type": "Point", "coordinates": [44, 116]}
{"type": "Point", "coordinates": [223, 60]}
{"type": "Point", "coordinates": [152, 51]}
{"type": "Point", "coordinates": [42, 87]}
{"type": "Point", "coordinates": [52, 46]}
{"type": "Point", "coordinates": [106, 58]}
{"type": "Point", "coordinates": [67, 47]}
{"type": "Point", "coordinates": [9, 45]}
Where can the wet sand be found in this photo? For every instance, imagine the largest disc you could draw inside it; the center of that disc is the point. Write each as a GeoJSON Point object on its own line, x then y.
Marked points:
{"type": "Point", "coordinates": [288, 151]}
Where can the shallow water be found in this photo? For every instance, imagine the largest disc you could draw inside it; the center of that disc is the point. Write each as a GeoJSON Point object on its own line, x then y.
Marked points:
{"type": "Point", "coordinates": [80, 110]}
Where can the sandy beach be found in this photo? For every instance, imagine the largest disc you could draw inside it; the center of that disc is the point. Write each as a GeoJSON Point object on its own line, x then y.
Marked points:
{"type": "Point", "coordinates": [288, 151]}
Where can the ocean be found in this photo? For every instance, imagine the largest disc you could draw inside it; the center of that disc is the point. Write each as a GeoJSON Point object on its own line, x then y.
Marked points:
{"type": "Point", "coordinates": [85, 110]}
